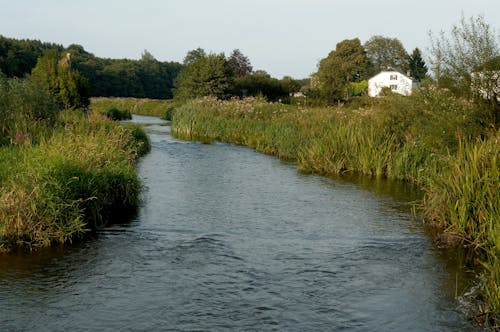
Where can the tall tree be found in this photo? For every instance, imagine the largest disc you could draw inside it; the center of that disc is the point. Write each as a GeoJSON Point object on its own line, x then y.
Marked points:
{"type": "Point", "coordinates": [418, 68]}
{"type": "Point", "coordinates": [260, 83]}
{"type": "Point", "coordinates": [194, 55]}
{"type": "Point", "coordinates": [470, 47]}
{"type": "Point", "coordinates": [347, 63]}
{"type": "Point", "coordinates": [385, 53]}
{"type": "Point", "coordinates": [53, 74]}
{"type": "Point", "coordinates": [208, 75]}
{"type": "Point", "coordinates": [467, 63]}
{"type": "Point", "coordinates": [239, 63]}
{"type": "Point", "coordinates": [147, 56]}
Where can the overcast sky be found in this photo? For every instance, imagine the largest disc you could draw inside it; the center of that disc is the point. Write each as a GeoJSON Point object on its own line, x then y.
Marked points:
{"type": "Point", "coordinates": [282, 37]}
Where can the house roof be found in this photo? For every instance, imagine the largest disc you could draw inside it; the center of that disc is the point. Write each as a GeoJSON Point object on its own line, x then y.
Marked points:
{"type": "Point", "coordinates": [390, 70]}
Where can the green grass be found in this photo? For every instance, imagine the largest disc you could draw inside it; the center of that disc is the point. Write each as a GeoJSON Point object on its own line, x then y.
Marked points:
{"type": "Point", "coordinates": [149, 107]}
{"type": "Point", "coordinates": [116, 114]}
{"type": "Point", "coordinates": [73, 181]}
{"type": "Point", "coordinates": [431, 139]}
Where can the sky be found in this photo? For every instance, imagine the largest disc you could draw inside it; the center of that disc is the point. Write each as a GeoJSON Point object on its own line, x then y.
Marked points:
{"type": "Point", "coordinates": [282, 37]}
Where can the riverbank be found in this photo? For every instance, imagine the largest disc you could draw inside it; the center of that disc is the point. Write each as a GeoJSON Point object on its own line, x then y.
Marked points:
{"type": "Point", "coordinates": [139, 106]}
{"type": "Point", "coordinates": [72, 177]}
{"type": "Point", "coordinates": [432, 139]}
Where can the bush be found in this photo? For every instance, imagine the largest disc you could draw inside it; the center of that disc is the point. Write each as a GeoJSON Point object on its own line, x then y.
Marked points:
{"type": "Point", "coordinates": [77, 179]}
{"type": "Point", "coordinates": [24, 111]}
{"type": "Point", "coordinates": [118, 115]}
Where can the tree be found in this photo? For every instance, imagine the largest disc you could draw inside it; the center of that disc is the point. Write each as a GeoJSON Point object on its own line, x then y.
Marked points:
{"type": "Point", "coordinates": [208, 75]}
{"type": "Point", "coordinates": [19, 57]}
{"type": "Point", "coordinates": [418, 68]}
{"type": "Point", "coordinates": [466, 62]}
{"type": "Point", "coordinates": [146, 56]}
{"type": "Point", "coordinates": [194, 55]}
{"type": "Point", "coordinates": [290, 85]}
{"type": "Point", "coordinates": [144, 78]}
{"type": "Point", "coordinates": [347, 63]}
{"type": "Point", "coordinates": [54, 75]}
{"type": "Point", "coordinates": [260, 83]}
{"type": "Point", "coordinates": [384, 53]}
{"type": "Point", "coordinates": [471, 47]}
{"type": "Point", "coordinates": [239, 63]}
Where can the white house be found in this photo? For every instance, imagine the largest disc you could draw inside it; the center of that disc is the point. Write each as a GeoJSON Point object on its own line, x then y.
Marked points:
{"type": "Point", "coordinates": [392, 79]}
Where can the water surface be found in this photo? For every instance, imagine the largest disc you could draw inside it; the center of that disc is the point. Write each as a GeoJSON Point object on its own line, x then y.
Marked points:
{"type": "Point", "coordinates": [231, 240]}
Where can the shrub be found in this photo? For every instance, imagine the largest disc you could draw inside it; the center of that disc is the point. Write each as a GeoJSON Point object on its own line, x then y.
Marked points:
{"type": "Point", "coordinates": [117, 114]}
{"type": "Point", "coordinates": [24, 111]}
{"type": "Point", "coordinates": [77, 179]}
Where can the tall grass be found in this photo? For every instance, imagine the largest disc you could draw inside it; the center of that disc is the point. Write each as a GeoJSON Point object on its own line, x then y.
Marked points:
{"type": "Point", "coordinates": [140, 106]}
{"type": "Point", "coordinates": [432, 139]}
{"type": "Point", "coordinates": [464, 199]}
{"type": "Point", "coordinates": [76, 179]}
{"type": "Point", "coordinates": [25, 111]}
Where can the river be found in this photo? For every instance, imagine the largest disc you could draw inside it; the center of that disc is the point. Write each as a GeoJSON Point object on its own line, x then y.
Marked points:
{"type": "Point", "coordinates": [228, 239]}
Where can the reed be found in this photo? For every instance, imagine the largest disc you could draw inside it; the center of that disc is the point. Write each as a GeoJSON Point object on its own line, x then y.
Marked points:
{"type": "Point", "coordinates": [464, 200]}
{"type": "Point", "coordinates": [73, 181]}
{"type": "Point", "coordinates": [432, 139]}
{"type": "Point", "coordinates": [140, 106]}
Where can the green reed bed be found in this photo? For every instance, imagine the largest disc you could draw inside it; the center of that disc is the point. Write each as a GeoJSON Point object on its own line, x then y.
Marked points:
{"type": "Point", "coordinates": [324, 141]}
{"type": "Point", "coordinates": [140, 106]}
{"type": "Point", "coordinates": [77, 178]}
{"type": "Point", "coordinates": [432, 139]}
{"type": "Point", "coordinates": [464, 200]}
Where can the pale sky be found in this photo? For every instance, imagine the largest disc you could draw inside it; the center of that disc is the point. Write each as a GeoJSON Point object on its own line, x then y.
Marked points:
{"type": "Point", "coordinates": [282, 37]}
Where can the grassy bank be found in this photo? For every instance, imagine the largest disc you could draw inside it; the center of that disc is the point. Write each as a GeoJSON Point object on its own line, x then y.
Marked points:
{"type": "Point", "coordinates": [62, 174]}
{"type": "Point", "coordinates": [149, 107]}
{"type": "Point", "coordinates": [432, 139]}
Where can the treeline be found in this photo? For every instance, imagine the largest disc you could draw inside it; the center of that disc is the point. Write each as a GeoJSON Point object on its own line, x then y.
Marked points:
{"type": "Point", "coordinates": [224, 77]}
{"type": "Point", "coordinates": [200, 74]}
{"type": "Point", "coordinates": [342, 75]}
{"type": "Point", "coordinates": [144, 78]}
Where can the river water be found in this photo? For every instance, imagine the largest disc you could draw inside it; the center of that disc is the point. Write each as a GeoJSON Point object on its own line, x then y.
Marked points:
{"type": "Point", "coordinates": [231, 240]}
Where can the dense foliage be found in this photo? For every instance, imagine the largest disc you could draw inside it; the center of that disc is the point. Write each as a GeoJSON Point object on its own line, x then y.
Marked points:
{"type": "Point", "coordinates": [205, 75]}
{"type": "Point", "coordinates": [384, 53]}
{"type": "Point", "coordinates": [144, 78]}
{"type": "Point", "coordinates": [417, 67]}
{"type": "Point", "coordinates": [239, 63]}
{"type": "Point", "coordinates": [25, 110]}
{"type": "Point", "coordinates": [347, 63]}
{"type": "Point", "coordinates": [55, 76]}
{"type": "Point", "coordinates": [215, 75]}
{"type": "Point", "coordinates": [19, 57]}
{"type": "Point", "coordinates": [149, 107]}
{"type": "Point", "coordinates": [61, 174]}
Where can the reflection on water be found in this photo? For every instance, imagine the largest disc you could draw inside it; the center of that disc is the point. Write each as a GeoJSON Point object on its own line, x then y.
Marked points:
{"type": "Point", "coordinates": [231, 240]}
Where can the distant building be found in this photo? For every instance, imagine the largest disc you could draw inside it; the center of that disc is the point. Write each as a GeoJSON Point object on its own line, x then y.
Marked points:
{"type": "Point", "coordinates": [392, 79]}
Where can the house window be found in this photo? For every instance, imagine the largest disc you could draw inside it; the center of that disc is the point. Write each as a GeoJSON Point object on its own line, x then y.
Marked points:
{"type": "Point", "coordinates": [394, 77]}
{"type": "Point", "coordinates": [394, 87]}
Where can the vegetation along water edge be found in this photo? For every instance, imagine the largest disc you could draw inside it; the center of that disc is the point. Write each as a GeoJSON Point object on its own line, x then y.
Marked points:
{"type": "Point", "coordinates": [63, 173]}
{"type": "Point", "coordinates": [372, 109]}
{"type": "Point", "coordinates": [413, 139]}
